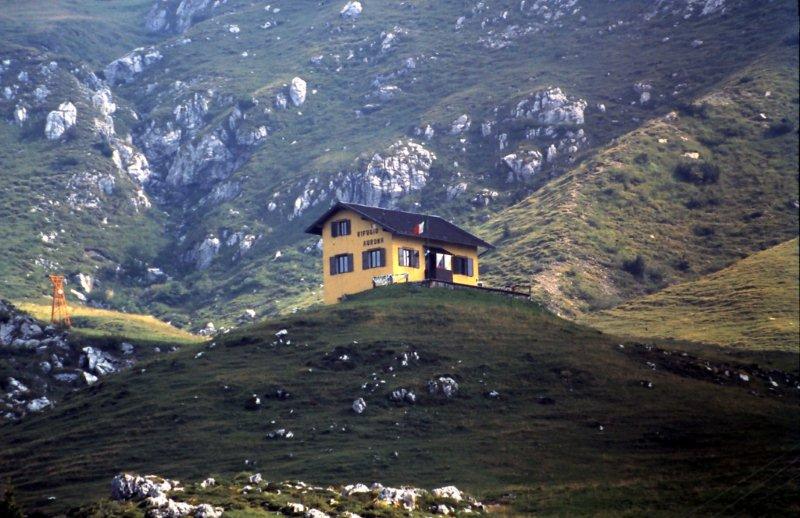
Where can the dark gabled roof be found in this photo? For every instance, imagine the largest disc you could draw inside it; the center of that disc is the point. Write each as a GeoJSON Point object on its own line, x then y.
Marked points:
{"type": "Point", "coordinates": [401, 223]}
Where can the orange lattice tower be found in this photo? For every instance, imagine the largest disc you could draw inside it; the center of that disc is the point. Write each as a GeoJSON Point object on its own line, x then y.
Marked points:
{"type": "Point", "coordinates": [59, 314]}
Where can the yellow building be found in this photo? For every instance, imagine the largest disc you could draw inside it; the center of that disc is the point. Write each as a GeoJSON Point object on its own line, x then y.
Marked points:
{"type": "Point", "coordinates": [364, 247]}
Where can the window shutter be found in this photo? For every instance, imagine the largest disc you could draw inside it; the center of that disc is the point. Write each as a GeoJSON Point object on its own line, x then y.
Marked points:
{"type": "Point", "coordinates": [400, 256]}
{"type": "Point", "coordinates": [415, 258]}
{"type": "Point", "coordinates": [346, 227]}
{"type": "Point", "coordinates": [470, 270]}
{"type": "Point", "coordinates": [364, 260]}
{"type": "Point", "coordinates": [334, 229]}
{"type": "Point", "coordinates": [383, 257]}
{"type": "Point", "coordinates": [333, 265]}
{"type": "Point", "coordinates": [349, 262]}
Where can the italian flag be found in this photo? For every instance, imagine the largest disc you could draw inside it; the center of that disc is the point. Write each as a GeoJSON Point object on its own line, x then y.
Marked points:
{"type": "Point", "coordinates": [419, 228]}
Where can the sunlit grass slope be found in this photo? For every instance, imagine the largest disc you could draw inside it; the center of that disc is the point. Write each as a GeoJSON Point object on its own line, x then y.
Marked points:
{"type": "Point", "coordinates": [103, 323]}
{"type": "Point", "coordinates": [753, 303]}
{"type": "Point", "coordinates": [572, 431]}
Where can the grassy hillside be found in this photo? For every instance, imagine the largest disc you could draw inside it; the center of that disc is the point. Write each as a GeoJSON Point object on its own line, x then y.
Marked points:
{"type": "Point", "coordinates": [752, 304]}
{"type": "Point", "coordinates": [686, 194]}
{"type": "Point", "coordinates": [572, 431]}
{"type": "Point", "coordinates": [92, 323]}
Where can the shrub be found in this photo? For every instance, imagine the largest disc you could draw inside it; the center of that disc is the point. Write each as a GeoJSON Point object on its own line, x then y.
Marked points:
{"type": "Point", "coordinates": [698, 174]}
{"type": "Point", "coordinates": [682, 264]}
{"type": "Point", "coordinates": [703, 230]}
{"type": "Point", "coordinates": [694, 110]}
{"type": "Point", "coordinates": [641, 159]}
{"type": "Point", "coordinates": [635, 266]}
{"type": "Point", "coordinates": [782, 127]}
{"type": "Point", "coordinates": [8, 505]}
{"type": "Point", "coordinates": [105, 148]}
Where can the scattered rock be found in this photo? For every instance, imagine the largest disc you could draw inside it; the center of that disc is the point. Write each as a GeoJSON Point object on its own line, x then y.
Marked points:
{"type": "Point", "coordinates": [126, 68]}
{"type": "Point", "coordinates": [297, 91]}
{"type": "Point", "coordinates": [460, 125]}
{"type": "Point", "coordinates": [351, 10]}
{"type": "Point", "coordinates": [359, 405]}
{"type": "Point", "coordinates": [403, 395]}
{"type": "Point", "coordinates": [523, 164]}
{"type": "Point", "coordinates": [444, 385]}
{"type": "Point", "coordinates": [398, 497]}
{"type": "Point", "coordinates": [253, 402]}
{"type": "Point", "coordinates": [551, 107]}
{"type": "Point", "coordinates": [450, 492]}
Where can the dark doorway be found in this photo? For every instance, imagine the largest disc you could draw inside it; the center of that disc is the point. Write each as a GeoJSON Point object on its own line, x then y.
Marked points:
{"type": "Point", "coordinates": [438, 264]}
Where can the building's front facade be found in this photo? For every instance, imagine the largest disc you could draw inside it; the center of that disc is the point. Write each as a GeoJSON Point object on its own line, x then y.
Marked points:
{"type": "Point", "coordinates": [365, 246]}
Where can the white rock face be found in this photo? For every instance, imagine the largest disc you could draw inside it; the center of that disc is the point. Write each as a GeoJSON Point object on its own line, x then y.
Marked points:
{"type": "Point", "coordinates": [359, 405]}
{"type": "Point", "coordinates": [190, 114]}
{"type": "Point", "coordinates": [460, 125]}
{"type": "Point", "coordinates": [523, 165]}
{"type": "Point", "coordinates": [126, 68]}
{"type": "Point", "coordinates": [351, 10]}
{"type": "Point", "coordinates": [403, 169]}
{"type": "Point", "coordinates": [297, 91]}
{"type": "Point", "coordinates": [456, 190]}
{"type": "Point", "coordinates": [551, 107]}
{"type": "Point", "coordinates": [103, 101]}
{"type": "Point", "coordinates": [131, 161]}
{"type": "Point", "coordinates": [60, 120]}
{"type": "Point", "coordinates": [177, 16]}
{"type": "Point", "coordinates": [86, 281]}
{"type": "Point", "coordinates": [204, 253]}
{"type": "Point", "coordinates": [204, 162]}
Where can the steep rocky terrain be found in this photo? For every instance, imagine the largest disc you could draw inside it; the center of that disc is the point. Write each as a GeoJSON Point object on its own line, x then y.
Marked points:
{"type": "Point", "coordinates": [174, 151]}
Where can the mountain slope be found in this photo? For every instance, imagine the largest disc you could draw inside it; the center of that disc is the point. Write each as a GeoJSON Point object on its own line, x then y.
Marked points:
{"type": "Point", "coordinates": [572, 428]}
{"type": "Point", "coordinates": [205, 129]}
{"type": "Point", "coordinates": [752, 303]}
{"type": "Point", "coordinates": [686, 194]}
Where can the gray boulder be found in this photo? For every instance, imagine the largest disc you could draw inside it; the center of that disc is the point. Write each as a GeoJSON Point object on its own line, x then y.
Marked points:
{"type": "Point", "coordinates": [297, 91]}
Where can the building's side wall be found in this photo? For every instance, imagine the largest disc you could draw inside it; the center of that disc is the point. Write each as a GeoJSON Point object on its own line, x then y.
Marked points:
{"type": "Point", "coordinates": [364, 235]}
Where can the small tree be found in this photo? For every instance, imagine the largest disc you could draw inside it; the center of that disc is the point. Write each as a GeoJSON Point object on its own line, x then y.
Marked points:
{"type": "Point", "coordinates": [635, 266]}
{"type": "Point", "coordinates": [8, 505]}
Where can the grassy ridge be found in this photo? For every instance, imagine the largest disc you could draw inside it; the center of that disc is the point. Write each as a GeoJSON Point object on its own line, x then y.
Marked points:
{"type": "Point", "coordinates": [752, 303]}
{"type": "Point", "coordinates": [639, 216]}
{"type": "Point", "coordinates": [572, 431]}
{"type": "Point", "coordinates": [93, 323]}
